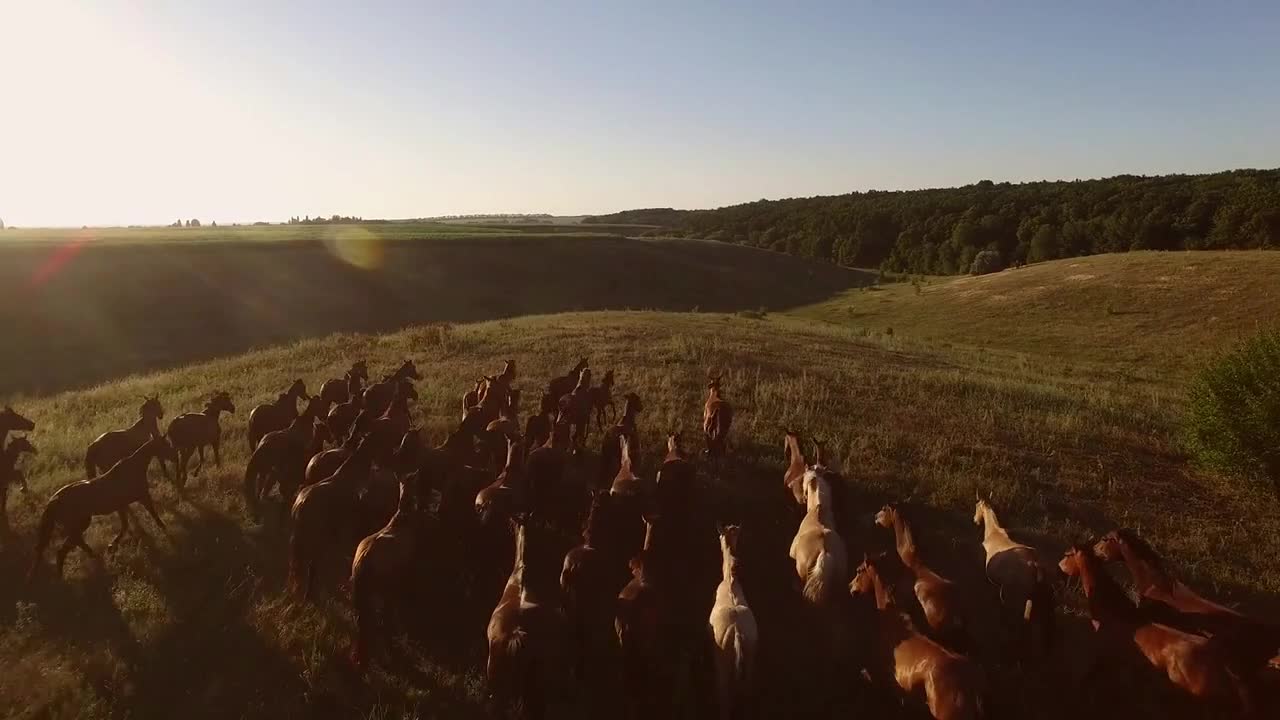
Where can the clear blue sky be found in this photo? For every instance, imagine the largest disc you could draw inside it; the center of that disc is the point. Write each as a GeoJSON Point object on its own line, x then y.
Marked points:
{"type": "Point", "coordinates": [237, 111]}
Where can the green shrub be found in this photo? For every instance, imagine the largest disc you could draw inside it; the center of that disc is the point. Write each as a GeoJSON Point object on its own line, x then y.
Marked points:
{"type": "Point", "coordinates": [987, 261]}
{"type": "Point", "coordinates": [1233, 412]}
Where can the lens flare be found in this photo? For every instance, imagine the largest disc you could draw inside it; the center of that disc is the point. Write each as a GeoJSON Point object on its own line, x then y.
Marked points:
{"type": "Point", "coordinates": [355, 245]}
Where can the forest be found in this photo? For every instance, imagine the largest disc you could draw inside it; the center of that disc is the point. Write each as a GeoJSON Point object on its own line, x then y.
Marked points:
{"type": "Point", "coordinates": [941, 231]}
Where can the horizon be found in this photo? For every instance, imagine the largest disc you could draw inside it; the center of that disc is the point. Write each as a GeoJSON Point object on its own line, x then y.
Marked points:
{"type": "Point", "coordinates": [139, 116]}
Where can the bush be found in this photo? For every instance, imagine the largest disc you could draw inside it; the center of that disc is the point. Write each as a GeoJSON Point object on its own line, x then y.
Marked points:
{"type": "Point", "coordinates": [987, 261]}
{"type": "Point", "coordinates": [1233, 412]}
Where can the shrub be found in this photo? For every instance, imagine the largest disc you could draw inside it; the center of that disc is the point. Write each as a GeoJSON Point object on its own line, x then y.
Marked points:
{"type": "Point", "coordinates": [1233, 411]}
{"type": "Point", "coordinates": [987, 261]}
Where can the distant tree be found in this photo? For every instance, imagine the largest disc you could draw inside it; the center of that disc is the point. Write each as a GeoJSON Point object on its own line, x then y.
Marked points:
{"type": "Point", "coordinates": [193, 223]}
{"type": "Point", "coordinates": [214, 223]}
{"type": "Point", "coordinates": [987, 261]}
{"type": "Point", "coordinates": [1044, 244]}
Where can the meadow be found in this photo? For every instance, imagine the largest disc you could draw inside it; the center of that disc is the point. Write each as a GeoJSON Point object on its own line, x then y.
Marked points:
{"type": "Point", "coordinates": [1071, 429]}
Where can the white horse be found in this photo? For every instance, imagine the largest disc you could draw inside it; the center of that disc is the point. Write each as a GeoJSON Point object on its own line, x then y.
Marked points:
{"type": "Point", "coordinates": [733, 630]}
{"type": "Point", "coordinates": [822, 561]}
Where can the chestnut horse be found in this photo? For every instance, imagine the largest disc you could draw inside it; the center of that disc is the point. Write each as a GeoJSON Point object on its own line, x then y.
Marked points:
{"type": "Point", "coordinates": [322, 515]}
{"type": "Point", "coordinates": [73, 506]}
{"type": "Point", "coordinates": [819, 552]}
{"type": "Point", "coordinates": [10, 474]}
{"type": "Point", "coordinates": [717, 417]}
{"type": "Point", "coordinates": [1025, 584]}
{"type": "Point", "coordinates": [1200, 666]}
{"type": "Point", "coordinates": [378, 395]}
{"type": "Point", "coordinates": [610, 449]}
{"type": "Point", "coordinates": [733, 631]}
{"type": "Point", "coordinates": [191, 432]}
{"type": "Point", "coordinates": [11, 421]}
{"type": "Point", "coordinates": [112, 447]}
{"type": "Point", "coordinates": [953, 685]}
{"type": "Point", "coordinates": [276, 415]}
{"type": "Point", "coordinates": [939, 598]}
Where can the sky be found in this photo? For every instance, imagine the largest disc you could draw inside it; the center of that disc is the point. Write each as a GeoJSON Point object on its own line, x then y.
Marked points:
{"type": "Point", "coordinates": [145, 112]}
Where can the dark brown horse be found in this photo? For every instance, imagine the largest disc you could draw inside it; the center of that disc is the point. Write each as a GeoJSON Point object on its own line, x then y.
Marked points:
{"type": "Point", "coordinates": [508, 494]}
{"type": "Point", "coordinates": [610, 448]}
{"type": "Point", "coordinates": [10, 474]}
{"type": "Point", "coordinates": [644, 622]}
{"type": "Point", "coordinates": [537, 430]}
{"type": "Point", "coordinates": [563, 385]}
{"type": "Point", "coordinates": [342, 417]}
{"type": "Point", "coordinates": [73, 506]}
{"type": "Point", "coordinates": [323, 516]}
{"type": "Point", "coordinates": [507, 424]}
{"type": "Point", "coordinates": [11, 421]}
{"type": "Point", "coordinates": [675, 482]}
{"type": "Point", "coordinates": [276, 415]}
{"type": "Point", "coordinates": [575, 409]}
{"type": "Point", "coordinates": [191, 432]}
{"type": "Point", "coordinates": [340, 390]}
{"type": "Point", "coordinates": [379, 395]}
{"type": "Point", "coordinates": [281, 457]}
{"type": "Point", "coordinates": [602, 399]}
{"type": "Point", "coordinates": [388, 428]}
{"type": "Point", "coordinates": [590, 580]}
{"type": "Point", "coordinates": [717, 418]}
{"type": "Point", "coordinates": [112, 447]}
{"type": "Point", "coordinates": [323, 463]}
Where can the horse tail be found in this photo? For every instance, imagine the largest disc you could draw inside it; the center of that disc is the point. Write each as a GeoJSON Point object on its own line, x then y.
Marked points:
{"type": "Point", "coordinates": [821, 579]}
{"type": "Point", "coordinates": [362, 601]}
{"type": "Point", "coordinates": [1039, 608]}
{"type": "Point", "coordinates": [43, 533]}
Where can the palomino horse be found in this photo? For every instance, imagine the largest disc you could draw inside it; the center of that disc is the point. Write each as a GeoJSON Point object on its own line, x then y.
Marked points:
{"type": "Point", "coordinates": [340, 390]}
{"type": "Point", "coordinates": [602, 398]}
{"type": "Point", "coordinates": [378, 395]}
{"type": "Point", "coordinates": [191, 432]}
{"type": "Point", "coordinates": [1253, 641]}
{"type": "Point", "coordinates": [276, 415]}
{"type": "Point", "coordinates": [11, 421]}
{"type": "Point", "coordinates": [939, 597]}
{"type": "Point", "coordinates": [953, 685]}
{"type": "Point", "coordinates": [322, 515]}
{"type": "Point", "coordinates": [73, 506]}
{"type": "Point", "coordinates": [717, 417]}
{"type": "Point", "coordinates": [10, 474]}
{"type": "Point", "coordinates": [1016, 569]}
{"type": "Point", "coordinates": [526, 630]}
{"type": "Point", "coordinates": [382, 564]}
{"type": "Point", "coordinates": [610, 449]}
{"type": "Point", "coordinates": [563, 385]}
{"type": "Point", "coordinates": [733, 631]}
{"type": "Point", "coordinates": [819, 552]}
{"type": "Point", "coordinates": [112, 447]}
{"type": "Point", "coordinates": [1200, 666]}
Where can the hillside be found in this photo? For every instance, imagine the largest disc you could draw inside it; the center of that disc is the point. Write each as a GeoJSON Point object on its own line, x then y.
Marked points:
{"type": "Point", "coordinates": [1143, 315]}
{"type": "Point", "coordinates": [195, 618]}
{"type": "Point", "coordinates": [78, 313]}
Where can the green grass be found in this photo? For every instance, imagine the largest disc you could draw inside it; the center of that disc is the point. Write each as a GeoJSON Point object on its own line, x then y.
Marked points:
{"type": "Point", "coordinates": [196, 618]}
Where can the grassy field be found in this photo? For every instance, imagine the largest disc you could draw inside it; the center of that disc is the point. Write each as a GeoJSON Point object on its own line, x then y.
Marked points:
{"type": "Point", "coordinates": [73, 315]}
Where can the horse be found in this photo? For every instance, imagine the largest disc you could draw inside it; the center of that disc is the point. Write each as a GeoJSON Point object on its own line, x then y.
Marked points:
{"type": "Point", "coordinates": [563, 385]}
{"type": "Point", "coordinates": [575, 408]}
{"type": "Point", "coordinates": [939, 598]}
{"type": "Point", "coordinates": [507, 424]}
{"type": "Point", "coordinates": [323, 463]}
{"type": "Point", "coordinates": [11, 421]}
{"type": "Point", "coordinates": [602, 398]}
{"type": "Point", "coordinates": [340, 390]}
{"type": "Point", "coordinates": [537, 429]}
{"type": "Point", "coordinates": [394, 421]}
{"type": "Point", "coordinates": [734, 633]}
{"type": "Point", "coordinates": [111, 447]}
{"type": "Point", "coordinates": [1198, 665]}
{"type": "Point", "coordinates": [342, 417]}
{"type": "Point", "coordinates": [643, 626]}
{"type": "Point", "coordinates": [10, 474]}
{"type": "Point", "coordinates": [378, 395]}
{"type": "Point", "coordinates": [1025, 585]}
{"type": "Point", "coordinates": [276, 415]}
{"type": "Point", "coordinates": [73, 506]}
{"type": "Point", "coordinates": [589, 583]}
{"type": "Point", "coordinates": [381, 564]}
{"type": "Point", "coordinates": [471, 398]}
{"type": "Point", "coordinates": [322, 513]}
{"type": "Point", "coordinates": [494, 392]}
{"type": "Point", "coordinates": [281, 457]}
{"type": "Point", "coordinates": [507, 495]}
{"type": "Point", "coordinates": [819, 552]}
{"type": "Point", "coordinates": [717, 417]}
{"type": "Point", "coordinates": [793, 477]}
{"type": "Point", "coordinates": [1253, 641]}
{"type": "Point", "coordinates": [953, 685]}
{"type": "Point", "coordinates": [610, 456]}
{"type": "Point", "coordinates": [525, 630]}
{"type": "Point", "coordinates": [674, 484]}
{"type": "Point", "coordinates": [191, 432]}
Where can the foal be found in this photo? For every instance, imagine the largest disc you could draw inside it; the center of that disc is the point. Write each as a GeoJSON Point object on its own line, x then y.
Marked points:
{"type": "Point", "coordinates": [276, 415]}
{"type": "Point", "coordinates": [10, 474]}
{"type": "Point", "coordinates": [1191, 662]}
{"type": "Point", "coordinates": [939, 598]}
{"type": "Point", "coordinates": [190, 432]}
{"type": "Point", "coordinates": [112, 447]}
{"type": "Point", "coordinates": [1024, 583]}
{"type": "Point", "coordinates": [819, 552]}
{"type": "Point", "coordinates": [73, 506]}
{"type": "Point", "coordinates": [953, 686]}
{"type": "Point", "coordinates": [733, 631]}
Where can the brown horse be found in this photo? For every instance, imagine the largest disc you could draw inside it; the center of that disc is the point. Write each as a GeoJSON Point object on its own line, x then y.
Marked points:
{"type": "Point", "coordinates": [378, 395]}
{"type": "Point", "coordinates": [73, 506]}
{"type": "Point", "coordinates": [281, 457]}
{"type": "Point", "coordinates": [10, 474]}
{"type": "Point", "coordinates": [11, 421]}
{"type": "Point", "coordinates": [340, 390]}
{"type": "Point", "coordinates": [643, 623]}
{"type": "Point", "coordinates": [793, 478]}
{"type": "Point", "coordinates": [1253, 641]}
{"type": "Point", "coordinates": [551, 496]}
{"type": "Point", "coordinates": [626, 483]}
{"type": "Point", "coordinates": [323, 463]}
{"type": "Point", "coordinates": [734, 632]}
{"type": "Point", "coordinates": [471, 398]}
{"type": "Point", "coordinates": [563, 385]}
{"type": "Point", "coordinates": [381, 565]}
{"type": "Point", "coordinates": [610, 448]}
{"type": "Point", "coordinates": [507, 424]}
{"type": "Point", "coordinates": [191, 432]}
{"type": "Point", "coordinates": [717, 417]}
{"type": "Point", "coordinates": [526, 630]}
{"type": "Point", "coordinates": [537, 429]}
{"type": "Point", "coordinates": [590, 581]}
{"type": "Point", "coordinates": [675, 481]}
{"type": "Point", "coordinates": [1200, 666]}
{"type": "Point", "coordinates": [819, 552]}
{"type": "Point", "coordinates": [322, 515]}
{"type": "Point", "coordinates": [939, 598]}
{"type": "Point", "coordinates": [508, 494]}
{"type": "Point", "coordinates": [276, 415]}
{"type": "Point", "coordinates": [395, 421]}
{"type": "Point", "coordinates": [112, 447]}
{"type": "Point", "coordinates": [602, 398]}
{"type": "Point", "coordinates": [953, 686]}
{"type": "Point", "coordinates": [342, 417]}
{"type": "Point", "coordinates": [495, 390]}
{"type": "Point", "coordinates": [575, 408]}
{"type": "Point", "coordinates": [1025, 584]}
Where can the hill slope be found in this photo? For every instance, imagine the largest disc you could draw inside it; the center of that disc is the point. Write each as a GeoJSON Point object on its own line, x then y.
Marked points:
{"type": "Point", "coordinates": [196, 617]}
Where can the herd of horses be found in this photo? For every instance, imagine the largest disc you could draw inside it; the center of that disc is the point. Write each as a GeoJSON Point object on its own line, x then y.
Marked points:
{"type": "Point", "coordinates": [617, 561]}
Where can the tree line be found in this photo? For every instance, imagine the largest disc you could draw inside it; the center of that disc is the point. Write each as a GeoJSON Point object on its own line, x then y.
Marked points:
{"type": "Point", "coordinates": [941, 231]}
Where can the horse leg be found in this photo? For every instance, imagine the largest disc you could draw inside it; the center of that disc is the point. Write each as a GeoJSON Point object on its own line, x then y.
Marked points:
{"type": "Point", "coordinates": [124, 526]}
{"type": "Point", "coordinates": [200, 461]}
{"type": "Point", "coordinates": [217, 453]}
